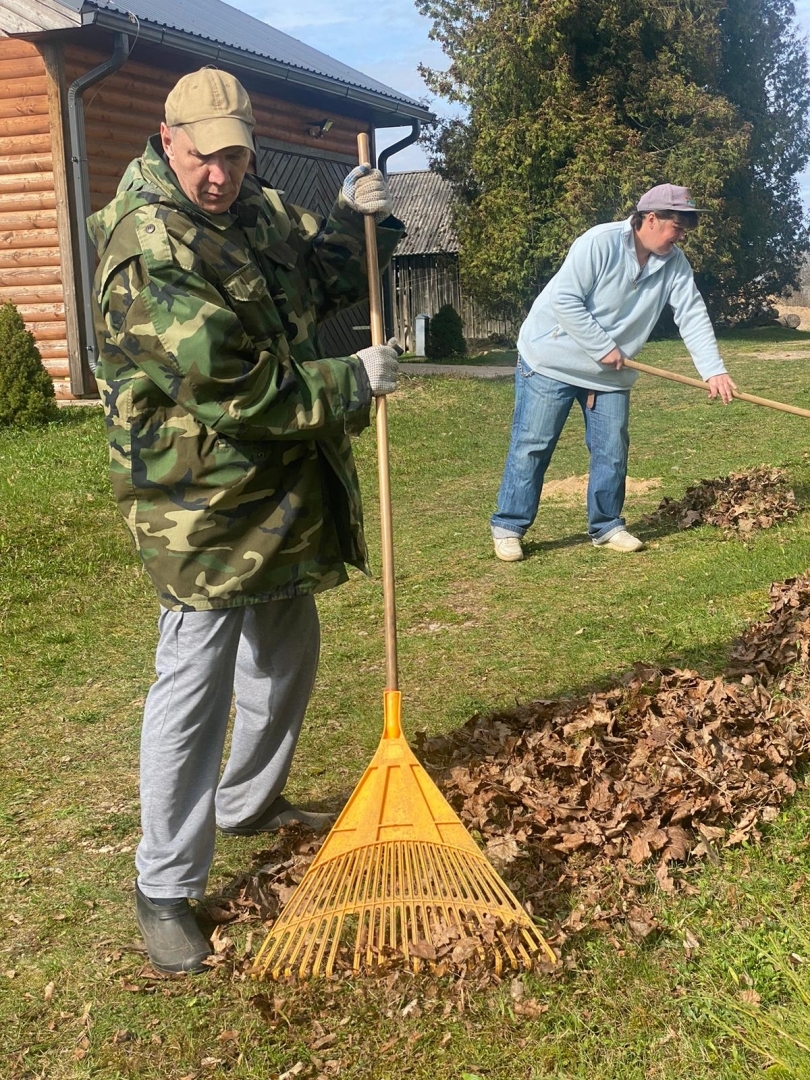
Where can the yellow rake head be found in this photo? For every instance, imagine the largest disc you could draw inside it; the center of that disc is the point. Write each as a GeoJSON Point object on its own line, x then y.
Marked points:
{"type": "Point", "coordinates": [396, 870]}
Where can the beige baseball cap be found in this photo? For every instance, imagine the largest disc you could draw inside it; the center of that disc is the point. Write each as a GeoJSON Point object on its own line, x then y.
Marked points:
{"type": "Point", "coordinates": [213, 108]}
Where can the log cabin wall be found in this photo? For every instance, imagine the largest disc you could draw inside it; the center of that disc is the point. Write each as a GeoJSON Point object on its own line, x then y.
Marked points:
{"type": "Point", "coordinates": [127, 108]}
{"type": "Point", "coordinates": [37, 236]}
{"type": "Point", "coordinates": [30, 257]}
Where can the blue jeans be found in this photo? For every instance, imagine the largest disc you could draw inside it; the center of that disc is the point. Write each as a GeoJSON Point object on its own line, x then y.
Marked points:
{"type": "Point", "coordinates": [542, 406]}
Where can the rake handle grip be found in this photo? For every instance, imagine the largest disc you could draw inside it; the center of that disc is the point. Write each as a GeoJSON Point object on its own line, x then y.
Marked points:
{"type": "Point", "coordinates": [383, 472]}
{"type": "Point", "coordinates": [673, 377]}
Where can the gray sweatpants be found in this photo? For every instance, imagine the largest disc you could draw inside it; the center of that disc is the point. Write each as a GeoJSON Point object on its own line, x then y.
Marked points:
{"type": "Point", "coordinates": [265, 655]}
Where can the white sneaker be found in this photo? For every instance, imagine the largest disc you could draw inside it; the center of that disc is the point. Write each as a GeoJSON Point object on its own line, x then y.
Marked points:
{"type": "Point", "coordinates": [621, 541]}
{"type": "Point", "coordinates": [507, 548]}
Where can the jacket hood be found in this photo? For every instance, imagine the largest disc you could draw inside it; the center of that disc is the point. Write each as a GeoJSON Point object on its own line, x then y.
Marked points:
{"type": "Point", "coordinates": [144, 181]}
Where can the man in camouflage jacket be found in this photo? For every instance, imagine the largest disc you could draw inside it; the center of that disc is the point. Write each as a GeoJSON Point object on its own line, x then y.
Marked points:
{"type": "Point", "coordinates": [232, 466]}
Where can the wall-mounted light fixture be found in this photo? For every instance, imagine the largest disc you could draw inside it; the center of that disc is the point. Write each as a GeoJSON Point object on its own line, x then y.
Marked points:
{"type": "Point", "coordinates": [317, 131]}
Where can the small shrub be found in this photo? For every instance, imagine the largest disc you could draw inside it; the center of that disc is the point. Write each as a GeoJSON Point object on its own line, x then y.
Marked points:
{"type": "Point", "coordinates": [445, 337]}
{"type": "Point", "coordinates": [26, 390]}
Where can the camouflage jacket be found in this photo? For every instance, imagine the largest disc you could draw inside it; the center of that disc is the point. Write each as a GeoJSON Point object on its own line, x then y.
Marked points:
{"type": "Point", "coordinates": [229, 453]}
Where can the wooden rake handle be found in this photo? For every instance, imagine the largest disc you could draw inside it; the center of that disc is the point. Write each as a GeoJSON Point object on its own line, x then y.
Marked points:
{"type": "Point", "coordinates": [705, 386]}
{"type": "Point", "coordinates": [386, 527]}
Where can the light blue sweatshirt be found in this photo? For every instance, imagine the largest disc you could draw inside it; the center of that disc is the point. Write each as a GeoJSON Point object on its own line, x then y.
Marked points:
{"type": "Point", "coordinates": [601, 298]}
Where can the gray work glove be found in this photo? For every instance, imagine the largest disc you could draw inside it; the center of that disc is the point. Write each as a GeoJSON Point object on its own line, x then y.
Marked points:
{"type": "Point", "coordinates": [380, 362]}
{"type": "Point", "coordinates": [367, 192]}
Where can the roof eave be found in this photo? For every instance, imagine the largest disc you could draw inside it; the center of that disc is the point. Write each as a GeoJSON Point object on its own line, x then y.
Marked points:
{"type": "Point", "coordinates": [388, 112]}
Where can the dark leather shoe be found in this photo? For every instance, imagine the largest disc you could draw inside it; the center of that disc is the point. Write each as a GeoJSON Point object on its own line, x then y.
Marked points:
{"type": "Point", "coordinates": [170, 932]}
{"type": "Point", "coordinates": [280, 812]}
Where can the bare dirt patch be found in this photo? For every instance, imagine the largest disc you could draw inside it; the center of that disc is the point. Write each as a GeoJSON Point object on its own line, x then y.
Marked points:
{"type": "Point", "coordinates": [572, 490]}
{"type": "Point", "coordinates": [788, 354]}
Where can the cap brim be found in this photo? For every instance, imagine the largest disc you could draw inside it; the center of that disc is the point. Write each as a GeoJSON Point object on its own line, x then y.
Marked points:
{"type": "Point", "coordinates": [673, 209]}
{"type": "Point", "coordinates": [209, 136]}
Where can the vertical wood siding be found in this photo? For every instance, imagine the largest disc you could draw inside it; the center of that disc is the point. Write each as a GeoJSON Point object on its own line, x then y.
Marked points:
{"type": "Point", "coordinates": [422, 283]}
{"type": "Point", "coordinates": [30, 264]}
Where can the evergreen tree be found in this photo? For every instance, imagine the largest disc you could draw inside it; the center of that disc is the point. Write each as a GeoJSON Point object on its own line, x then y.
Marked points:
{"type": "Point", "coordinates": [575, 107]}
{"type": "Point", "coordinates": [445, 334]}
{"type": "Point", "coordinates": [26, 390]}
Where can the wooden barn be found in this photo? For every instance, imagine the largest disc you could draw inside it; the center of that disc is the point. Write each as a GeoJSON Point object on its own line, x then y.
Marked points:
{"type": "Point", "coordinates": [424, 271]}
{"type": "Point", "coordinates": [82, 87]}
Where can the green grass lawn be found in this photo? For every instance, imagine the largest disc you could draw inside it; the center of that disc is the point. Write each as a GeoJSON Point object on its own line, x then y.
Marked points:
{"type": "Point", "coordinates": [78, 622]}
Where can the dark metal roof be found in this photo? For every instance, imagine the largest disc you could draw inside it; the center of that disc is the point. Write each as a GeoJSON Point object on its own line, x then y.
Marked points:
{"type": "Point", "coordinates": [216, 23]}
{"type": "Point", "coordinates": [422, 203]}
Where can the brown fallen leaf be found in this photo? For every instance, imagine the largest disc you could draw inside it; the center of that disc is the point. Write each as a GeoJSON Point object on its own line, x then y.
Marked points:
{"type": "Point", "coordinates": [750, 997]}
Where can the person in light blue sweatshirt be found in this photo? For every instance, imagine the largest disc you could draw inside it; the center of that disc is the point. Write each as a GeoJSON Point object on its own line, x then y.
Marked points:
{"type": "Point", "coordinates": [598, 309]}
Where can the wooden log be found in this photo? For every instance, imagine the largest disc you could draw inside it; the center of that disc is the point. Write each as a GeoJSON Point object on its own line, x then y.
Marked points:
{"type": "Point", "coordinates": [24, 125]}
{"type": "Point", "coordinates": [12, 67]}
{"type": "Point", "coordinates": [43, 312]}
{"type": "Point", "coordinates": [140, 112]}
{"type": "Point", "coordinates": [36, 181]}
{"type": "Point", "coordinates": [118, 146]}
{"type": "Point", "coordinates": [37, 219]}
{"type": "Point", "coordinates": [23, 145]}
{"type": "Point", "coordinates": [32, 294]}
{"type": "Point", "coordinates": [132, 86]}
{"type": "Point", "coordinates": [30, 106]}
{"type": "Point", "coordinates": [16, 49]}
{"type": "Point", "coordinates": [24, 277]}
{"type": "Point", "coordinates": [23, 88]}
{"type": "Point", "coordinates": [29, 239]}
{"type": "Point", "coordinates": [53, 352]}
{"type": "Point", "coordinates": [22, 201]}
{"type": "Point", "coordinates": [26, 163]}
{"type": "Point", "coordinates": [37, 256]}
{"type": "Point", "coordinates": [57, 369]}
{"type": "Point", "coordinates": [47, 331]}
{"type": "Point", "coordinates": [102, 136]}
{"type": "Point", "coordinates": [110, 169]}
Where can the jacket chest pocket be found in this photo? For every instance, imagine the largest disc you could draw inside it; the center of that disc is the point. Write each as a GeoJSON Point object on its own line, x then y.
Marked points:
{"type": "Point", "coordinates": [248, 295]}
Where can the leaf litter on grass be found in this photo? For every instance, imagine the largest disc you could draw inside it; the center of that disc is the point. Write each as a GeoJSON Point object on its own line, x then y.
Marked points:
{"type": "Point", "coordinates": [664, 769]}
{"type": "Point", "coordinates": [739, 504]}
{"type": "Point", "coordinates": [585, 803]}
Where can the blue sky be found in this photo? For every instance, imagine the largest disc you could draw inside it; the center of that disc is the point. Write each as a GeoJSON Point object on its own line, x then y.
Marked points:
{"type": "Point", "coordinates": [387, 39]}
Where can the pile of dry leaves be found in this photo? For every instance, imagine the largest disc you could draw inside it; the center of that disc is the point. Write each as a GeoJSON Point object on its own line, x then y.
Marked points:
{"type": "Point", "coordinates": [573, 799]}
{"type": "Point", "coordinates": [738, 504]}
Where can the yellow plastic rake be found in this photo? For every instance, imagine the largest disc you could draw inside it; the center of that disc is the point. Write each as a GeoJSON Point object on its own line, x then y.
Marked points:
{"type": "Point", "coordinates": [398, 868]}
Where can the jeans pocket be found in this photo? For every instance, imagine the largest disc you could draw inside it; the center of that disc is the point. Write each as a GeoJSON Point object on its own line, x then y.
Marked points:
{"type": "Point", "coordinates": [524, 368]}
